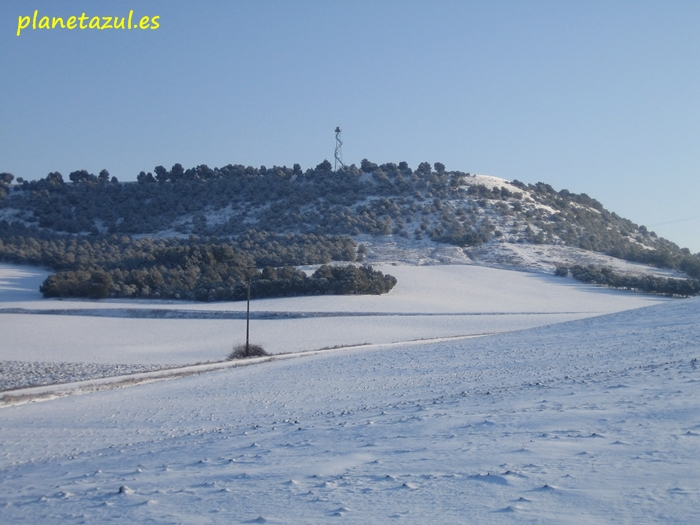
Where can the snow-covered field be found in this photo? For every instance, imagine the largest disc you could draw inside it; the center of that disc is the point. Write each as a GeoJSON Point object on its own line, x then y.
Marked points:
{"type": "Point", "coordinates": [428, 302]}
{"type": "Point", "coordinates": [592, 420]}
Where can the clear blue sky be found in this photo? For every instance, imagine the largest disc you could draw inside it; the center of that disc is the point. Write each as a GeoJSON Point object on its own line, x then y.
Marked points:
{"type": "Point", "coordinates": [598, 97]}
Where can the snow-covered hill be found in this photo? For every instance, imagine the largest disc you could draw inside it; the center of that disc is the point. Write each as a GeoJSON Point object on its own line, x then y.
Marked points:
{"type": "Point", "coordinates": [420, 215]}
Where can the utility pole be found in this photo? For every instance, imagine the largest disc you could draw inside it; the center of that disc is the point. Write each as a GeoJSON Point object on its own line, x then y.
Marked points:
{"type": "Point", "coordinates": [247, 325]}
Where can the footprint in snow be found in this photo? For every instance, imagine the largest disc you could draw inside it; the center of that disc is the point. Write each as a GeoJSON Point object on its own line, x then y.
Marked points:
{"type": "Point", "coordinates": [509, 508]}
{"type": "Point", "coordinates": [489, 478]}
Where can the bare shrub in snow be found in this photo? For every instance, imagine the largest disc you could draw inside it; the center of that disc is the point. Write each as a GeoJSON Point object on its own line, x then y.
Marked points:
{"type": "Point", "coordinates": [241, 352]}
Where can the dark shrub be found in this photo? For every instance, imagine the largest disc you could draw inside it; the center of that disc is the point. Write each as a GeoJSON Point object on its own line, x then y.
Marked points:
{"type": "Point", "coordinates": [240, 352]}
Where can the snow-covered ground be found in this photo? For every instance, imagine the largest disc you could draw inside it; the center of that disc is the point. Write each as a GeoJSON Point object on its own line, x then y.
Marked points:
{"type": "Point", "coordinates": [428, 302]}
{"type": "Point", "coordinates": [579, 405]}
{"type": "Point", "coordinates": [536, 258]}
{"type": "Point", "coordinates": [590, 421]}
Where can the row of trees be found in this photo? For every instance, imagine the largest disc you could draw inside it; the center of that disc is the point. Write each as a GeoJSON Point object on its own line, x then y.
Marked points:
{"type": "Point", "coordinates": [215, 283]}
{"type": "Point", "coordinates": [278, 199]}
{"type": "Point", "coordinates": [647, 283]}
{"type": "Point", "coordinates": [30, 245]}
{"type": "Point", "coordinates": [204, 269]}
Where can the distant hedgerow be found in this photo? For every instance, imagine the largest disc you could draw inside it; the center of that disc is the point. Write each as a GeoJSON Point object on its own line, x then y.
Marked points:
{"type": "Point", "coordinates": [647, 283]}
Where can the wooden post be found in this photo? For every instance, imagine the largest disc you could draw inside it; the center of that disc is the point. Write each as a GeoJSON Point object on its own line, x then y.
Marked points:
{"type": "Point", "coordinates": [247, 325]}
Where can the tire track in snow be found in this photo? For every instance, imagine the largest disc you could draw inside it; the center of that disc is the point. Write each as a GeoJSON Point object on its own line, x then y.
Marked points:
{"type": "Point", "coordinates": [162, 313]}
{"type": "Point", "coordinates": [57, 390]}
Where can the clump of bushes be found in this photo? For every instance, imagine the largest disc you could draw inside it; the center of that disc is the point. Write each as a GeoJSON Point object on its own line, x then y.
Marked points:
{"type": "Point", "coordinates": [243, 351]}
{"type": "Point", "coordinates": [95, 285]}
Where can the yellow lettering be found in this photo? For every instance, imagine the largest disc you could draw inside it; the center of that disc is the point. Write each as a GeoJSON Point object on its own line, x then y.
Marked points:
{"type": "Point", "coordinates": [22, 23]}
{"type": "Point", "coordinates": [85, 22]}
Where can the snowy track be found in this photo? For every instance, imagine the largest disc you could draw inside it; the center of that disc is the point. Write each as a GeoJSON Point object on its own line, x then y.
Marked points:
{"type": "Point", "coordinates": [164, 313]}
{"type": "Point", "coordinates": [26, 382]}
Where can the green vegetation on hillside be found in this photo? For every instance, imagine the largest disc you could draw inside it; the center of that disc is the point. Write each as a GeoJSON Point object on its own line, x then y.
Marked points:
{"type": "Point", "coordinates": [193, 268]}
{"type": "Point", "coordinates": [284, 216]}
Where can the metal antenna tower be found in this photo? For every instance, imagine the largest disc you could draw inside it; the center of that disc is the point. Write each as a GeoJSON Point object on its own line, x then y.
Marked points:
{"type": "Point", "coordinates": [338, 150]}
